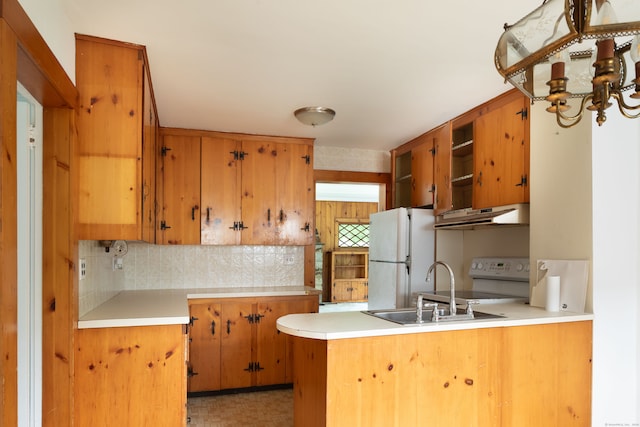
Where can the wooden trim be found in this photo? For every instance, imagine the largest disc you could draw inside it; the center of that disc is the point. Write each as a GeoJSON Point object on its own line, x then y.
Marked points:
{"type": "Point", "coordinates": [25, 57]}
{"type": "Point", "coordinates": [59, 284]}
{"type": "Point", "coordinates": [38, 69]}
{"type": "Point", "coordinates": [483, 108]}
{"type": "Point", "coordinates": [320, 175]}
{"type": "Point", "coordinates": [234, 135]}
{"type": "Point", "coordinates": [8, 229]}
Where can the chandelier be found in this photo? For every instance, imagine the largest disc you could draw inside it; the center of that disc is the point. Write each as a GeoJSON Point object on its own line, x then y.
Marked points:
{"type": "Point", "coordinates": [578, 49]}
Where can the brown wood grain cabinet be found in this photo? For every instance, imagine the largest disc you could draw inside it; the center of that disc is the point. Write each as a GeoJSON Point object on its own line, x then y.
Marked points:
{"type": "Point", "coordinates": [131, 376]}
{"type": "Point", "coordinates": [250, 190]}
{"type": "Point", "coordinates": [479, 159]}
{"type": "Point", "coordinates": [421, 168]}
{"type": "Point", "coordinates": [116, 145]}
{"type": "Point", "coordinates": [349, 275]}
{"type": "Point", "coordinates": [179, 222]}
{"type": "Point", "coordinates": [536, 375]}
{"type": "Point", "coordinates": [234, 342]}
{"type": "Point", "coordinates": [501, 153]}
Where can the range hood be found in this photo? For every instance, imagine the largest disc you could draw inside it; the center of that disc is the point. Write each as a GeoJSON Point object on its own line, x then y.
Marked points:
{"type": "Point", "coordinates": [517, 214]}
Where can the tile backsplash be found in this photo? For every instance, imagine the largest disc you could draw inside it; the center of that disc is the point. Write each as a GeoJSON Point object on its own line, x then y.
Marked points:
{"type": "Point", "coordinates": [148, 266]}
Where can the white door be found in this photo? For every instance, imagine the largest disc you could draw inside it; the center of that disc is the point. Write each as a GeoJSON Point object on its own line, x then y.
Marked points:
{"type": "Point", "coordinates": [29, 161]}
{"type": "Point", "coordinates": [388, 235]}
{"type": "Point", "coordinates": [388, 285]}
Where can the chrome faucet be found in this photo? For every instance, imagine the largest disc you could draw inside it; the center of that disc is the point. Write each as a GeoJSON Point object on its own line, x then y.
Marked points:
{"type": "Point", "coordinates": [452, 302]}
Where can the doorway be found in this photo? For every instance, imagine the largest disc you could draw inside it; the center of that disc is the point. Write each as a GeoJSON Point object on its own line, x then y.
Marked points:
{"type": "Point", "coordinates": [341, 249]}
{"type": "Point", "coordinates": [29, 201]}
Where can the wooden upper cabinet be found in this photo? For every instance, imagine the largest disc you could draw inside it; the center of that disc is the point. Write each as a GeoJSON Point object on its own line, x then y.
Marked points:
{"type": "Point", "coordinates": [422, 168]}
{"type": "Point", "coordinates": [481, 159]}
{"type": "Point", "coordinates": [180, 219]}
{"type": "Point", "coordinates": [259, 210]}
{"type": "Point", "coordinates": [295, 195]}
{"type": "Point", "coordinates": [241, 189]}
{"type": "Point", "coordinates": [441, 137]}
{"type": "Point", "coordinates": [115, 149]}
{"type": "Point", "coordinates": [220, 191]}
{"type": "Point", "coordinates": [501, 153]}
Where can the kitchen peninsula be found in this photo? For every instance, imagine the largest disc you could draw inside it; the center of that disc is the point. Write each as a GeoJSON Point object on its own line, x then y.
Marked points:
{"type": "Point", "coordinates": [528, 368]}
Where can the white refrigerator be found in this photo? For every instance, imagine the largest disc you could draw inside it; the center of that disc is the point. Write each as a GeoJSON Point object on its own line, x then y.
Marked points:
{"type": "Point", "coordinates": [401, 249]}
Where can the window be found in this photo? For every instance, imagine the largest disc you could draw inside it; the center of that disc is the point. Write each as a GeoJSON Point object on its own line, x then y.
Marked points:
{"type": "Point", "coordinates": [353, 234]}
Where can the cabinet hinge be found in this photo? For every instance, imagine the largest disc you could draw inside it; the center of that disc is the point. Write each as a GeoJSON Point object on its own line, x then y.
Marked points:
{"type": "Point", "coordinates": [164, 226]}
{"type": "Point", "coordinates": [239, 155]}
{"type": "Point", "coordinates": [433, 151]}
{"type": "Point", "coordinates": [254, 367]}
{"type": "Point", "coordinates": [238, 226]}
{"type": "Point", "coordinates": [307, 159]}
{"type": "Point", "coordinates": [254, 318]}
{"type": "Point", "coordinates": [524, 113]}
{"type": "Point", "coordinates": [164, 150]}
{"type": "Point", "coordinates": [307, 227]}
{"type": "Point", "coordinates": [523, 181]}
{"type": "Point", "coordinates": [192, 319]}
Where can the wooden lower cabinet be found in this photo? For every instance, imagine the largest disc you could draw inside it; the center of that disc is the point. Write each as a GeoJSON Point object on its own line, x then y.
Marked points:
{"type": "Point", "coordinates": [234, 342]}
{"type": "Point", "coordinates": [132, 376]}
{"type": "Point", "coordinates": [520, 376]}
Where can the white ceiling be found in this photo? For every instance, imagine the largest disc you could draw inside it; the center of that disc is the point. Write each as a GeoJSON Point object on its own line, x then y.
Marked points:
{"type": "Point", "coordinates": [391, 69]}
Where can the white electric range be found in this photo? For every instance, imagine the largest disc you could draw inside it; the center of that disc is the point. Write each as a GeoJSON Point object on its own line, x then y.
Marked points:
{"type": "Point", "coordinates": [495, 280]}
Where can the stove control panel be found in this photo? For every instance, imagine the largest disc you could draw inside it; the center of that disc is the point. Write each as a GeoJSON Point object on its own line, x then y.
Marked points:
{"type": "Point", "coordinates": [505, 268]}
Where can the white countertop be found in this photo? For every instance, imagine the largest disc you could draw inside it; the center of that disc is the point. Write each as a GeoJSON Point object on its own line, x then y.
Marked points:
{"type": "Point", "coordinates": [354, 324]}
{"type": "Point", "coordinates": [169, 306]}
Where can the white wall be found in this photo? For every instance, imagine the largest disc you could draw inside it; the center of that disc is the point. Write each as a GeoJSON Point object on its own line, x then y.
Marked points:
{"type": "Point", "coordinates": [616, 271]}
{"type": "Point", "coordinates": [560, 183]}
{"type": "Point", "coordinates": [54, 26]}
{"type": "Point", "coordinates": [585, 204]}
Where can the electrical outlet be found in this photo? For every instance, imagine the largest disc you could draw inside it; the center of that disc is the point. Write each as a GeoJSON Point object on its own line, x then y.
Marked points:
{"type": "Point", "coordinates": [117, 263]}
{"type": "Point", "coordinates": [82, 268]}
{"type": "Point", "coordinates": [289, 259]}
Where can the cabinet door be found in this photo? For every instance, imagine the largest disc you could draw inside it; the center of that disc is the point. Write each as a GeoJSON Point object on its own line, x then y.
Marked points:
{"type": "Point", "coordinates": [220, 191]}
{"type": "Point", "coordinates": [271, 349]}
{"type": "Point", "coordinates": [236, 352]}
{"type": "Point", "coordinates": [422, 172]}
{"type": "Point", "coordinates": [109, 147]}
{"type": "Point", "coordinates": [259, 213]}
{"type": "Point", "coordinates": [294, 194]}
{"type": "Point", "coordinates": [204, 347]}
{"type": "Point", "coordinates": [500, 156]}
{"type": "Point", "coordinates": [442, 168]}
{"type": "Point", "coordinates": [181, 191]}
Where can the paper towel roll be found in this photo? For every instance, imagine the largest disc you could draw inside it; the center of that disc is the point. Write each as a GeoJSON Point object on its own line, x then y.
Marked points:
{"type": "Point", "coordinates": [553, 294]}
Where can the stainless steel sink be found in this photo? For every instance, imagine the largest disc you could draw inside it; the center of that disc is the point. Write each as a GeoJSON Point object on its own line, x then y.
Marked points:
{"type": "Point", "coordinates": [407, 316]}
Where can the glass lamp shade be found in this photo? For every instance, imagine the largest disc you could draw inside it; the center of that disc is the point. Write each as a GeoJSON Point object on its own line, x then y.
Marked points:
{"type": "Point", "coordinates": [524, 51]}
{"type": "Point", "coordinates": [314, 116]}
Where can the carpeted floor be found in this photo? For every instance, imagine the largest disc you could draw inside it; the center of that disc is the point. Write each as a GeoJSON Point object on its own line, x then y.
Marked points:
{"type": "Point", "coordinates": [256, 409]}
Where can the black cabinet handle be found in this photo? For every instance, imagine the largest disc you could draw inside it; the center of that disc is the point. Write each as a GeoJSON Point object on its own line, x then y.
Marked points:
{"type": "Point", "coordinates": [269, 215]}
{"type": "Point", "coordinates": [228, 327]}
{"type": "Point", "coordinates": [208, 214]}
{"type": "Point", "coordinates": [281, 215]}
{"type": "Point", "coordinates": [213, 327]}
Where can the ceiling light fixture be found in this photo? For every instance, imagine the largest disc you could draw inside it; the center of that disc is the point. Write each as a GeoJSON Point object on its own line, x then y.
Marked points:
{"type": "Point", "coordinates": [575, 49]}
{"type": "Point", "coordinates": [314, 116]}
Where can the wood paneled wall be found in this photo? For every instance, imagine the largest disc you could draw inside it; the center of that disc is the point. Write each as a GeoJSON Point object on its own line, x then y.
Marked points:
{"type": "Point", "coordinates": [326, 214]}
{"type": "Point", "coordinates": [25, 57]}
